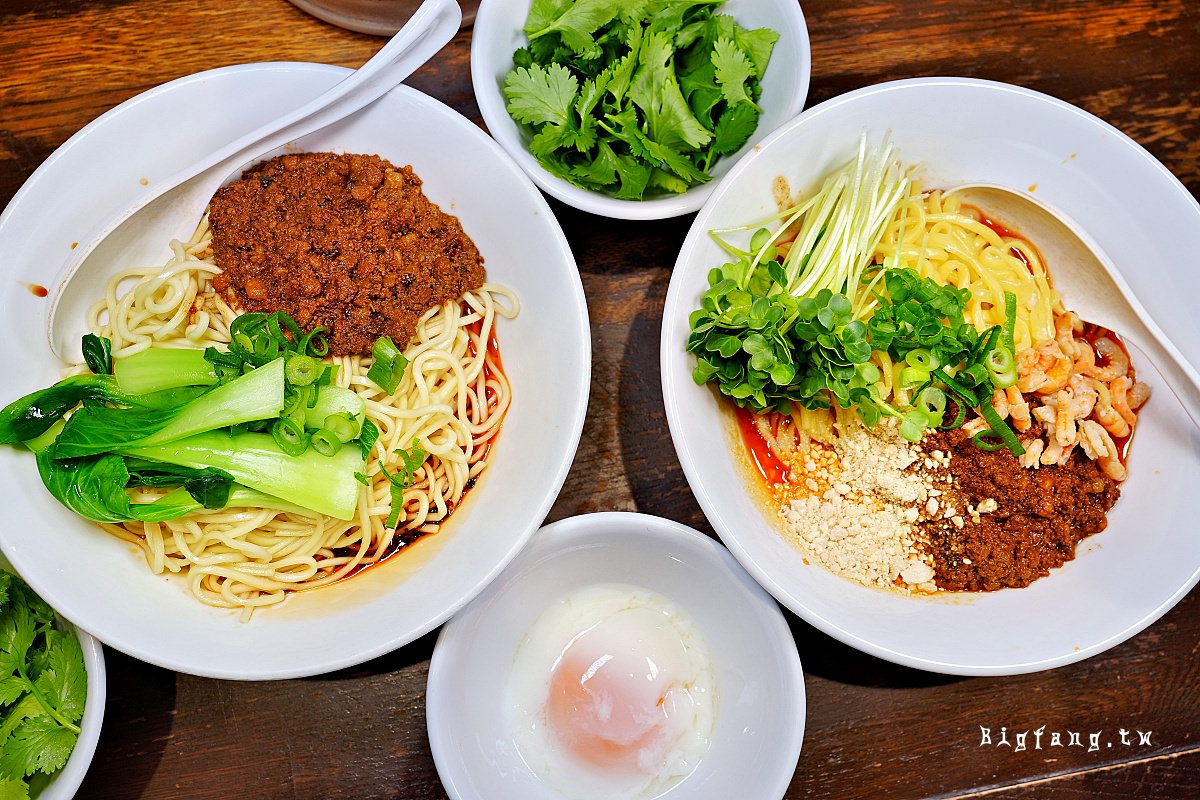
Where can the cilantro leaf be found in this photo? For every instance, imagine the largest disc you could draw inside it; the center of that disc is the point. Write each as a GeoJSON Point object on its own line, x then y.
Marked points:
{"type": "Point", "coordinates": [13, 789]}
{"type": "Point", "coordinates": [542, 14]}
{"type": "Point", "coordinates": [541, 94]}
{"type": "Point", "coordinates": [733, 69]}
{"type": "Point", "coordinates": [577, 22]}
{"type": "Point", "coordinates": [734, 128]}
{"type": "Point", "coordinates": [655, 90]}
{"type": "Point", "coordinates": [43, 686]}
{"type": "Point", "coordinates": [758, 44]}
{"type": "Point", "coordinates": [63, 681]}
{"type": "Point", "coordinates": [38, 744]}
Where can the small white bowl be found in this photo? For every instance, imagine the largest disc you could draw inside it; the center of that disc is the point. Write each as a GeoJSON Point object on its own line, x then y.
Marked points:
{"type": "Point", "coordinates": [499, 32]}
{"type": "Point", "coordinates": [1123, 578]}
{"type": "Point", "coordinates": [64, 783]}
{"type": "Point", "coordinates": [760, 689]}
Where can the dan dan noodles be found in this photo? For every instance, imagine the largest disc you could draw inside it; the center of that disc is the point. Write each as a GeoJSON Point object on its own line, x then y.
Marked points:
{"type": "Point", "coordinates": [924, 409]}
{"type": "Point", "coordinates": [372, 306]}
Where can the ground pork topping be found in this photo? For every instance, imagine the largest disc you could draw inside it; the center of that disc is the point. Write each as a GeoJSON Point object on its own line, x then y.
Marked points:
{"type": "Point", "coordinates": [349, 242]}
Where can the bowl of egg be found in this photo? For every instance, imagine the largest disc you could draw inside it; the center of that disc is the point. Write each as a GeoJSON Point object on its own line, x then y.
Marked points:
{"type": "Point", "coordinates": [622, 656]}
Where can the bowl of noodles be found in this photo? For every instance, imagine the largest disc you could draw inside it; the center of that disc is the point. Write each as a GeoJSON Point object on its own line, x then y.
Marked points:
{"type": "Point", "coordinates": [885, 405]}
{"type": "Point", "coordinates": [458, 442]}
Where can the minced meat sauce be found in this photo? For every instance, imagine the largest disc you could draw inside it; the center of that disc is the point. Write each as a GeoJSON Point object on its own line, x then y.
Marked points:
{"type": "Point", "coordinates": [348, 242]}
{"type": "Point", "coordinates": [1040, 515]}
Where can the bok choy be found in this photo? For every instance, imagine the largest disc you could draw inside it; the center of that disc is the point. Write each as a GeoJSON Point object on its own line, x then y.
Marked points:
{"type": "Point", "coordinates": [201, 427]}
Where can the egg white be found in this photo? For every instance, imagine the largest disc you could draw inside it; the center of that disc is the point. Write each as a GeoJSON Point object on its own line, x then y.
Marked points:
{"type": "Point", "coordinates": [614, 618]}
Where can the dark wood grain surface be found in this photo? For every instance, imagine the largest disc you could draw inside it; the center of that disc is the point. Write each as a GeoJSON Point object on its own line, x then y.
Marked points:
{"type": "Point", "coordinates": [873, 729]}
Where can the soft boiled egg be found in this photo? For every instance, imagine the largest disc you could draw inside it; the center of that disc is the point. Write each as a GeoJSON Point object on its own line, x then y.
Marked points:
{"type": "Point", "coordinates": [612, 694]}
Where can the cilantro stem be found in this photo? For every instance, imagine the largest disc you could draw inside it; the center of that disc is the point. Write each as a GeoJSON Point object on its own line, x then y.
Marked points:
{"type": "Point", "coordinates": [46, 705]}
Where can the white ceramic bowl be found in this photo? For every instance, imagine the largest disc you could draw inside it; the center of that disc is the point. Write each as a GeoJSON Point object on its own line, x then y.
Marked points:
{"type": "Point", "coordinates": [64, 783]}
{"type": "Point", "coordinates": [498, 33]}
{"type": "Point", "coordinates": [105, 587]}
{"type": "Point", "coordinates": [760, 689]}
{"type": "Point", "coordinates": [1123, 578]}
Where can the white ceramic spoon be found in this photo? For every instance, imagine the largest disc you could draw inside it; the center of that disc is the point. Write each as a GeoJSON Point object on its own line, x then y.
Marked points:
{"type": "Point", "coordinates": [170, 209]}
{"type": "Point", "coordinates": [1098, 293]}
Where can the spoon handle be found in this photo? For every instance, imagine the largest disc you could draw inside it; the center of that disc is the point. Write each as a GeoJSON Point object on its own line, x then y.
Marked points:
{"type": "Point", "coordinates": [428, 30]}
{"type": "Point", "coordinates": [183, 196]}
{"type": "Point", "coordinates": [1181, 378]}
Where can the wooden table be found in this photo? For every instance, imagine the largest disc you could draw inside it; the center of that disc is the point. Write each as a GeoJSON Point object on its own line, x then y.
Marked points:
{"type": "Point", "coordinates": [873, 729]}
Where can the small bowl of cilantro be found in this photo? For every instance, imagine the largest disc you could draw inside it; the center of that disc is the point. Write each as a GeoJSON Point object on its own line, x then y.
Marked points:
{"type": "Point", "coordinates": [634, 110]}
{"type": "Point", "coordinates": [52, 702]}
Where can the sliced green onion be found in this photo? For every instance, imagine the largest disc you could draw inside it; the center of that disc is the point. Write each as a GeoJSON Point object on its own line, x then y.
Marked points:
{"type": "Point", "coordinates": [290, 436]}
{"type": "Point", "coordinates": [977, 375]}
{"type": "Point", "coordinates": [912, 377]}
{"type": "Point", "coordinates": [294, 399]}
{"type": "Point", "coordinates": [325, 442]}
{"type": "Point", "coordinates": [922, 359]}
{"type": "Point", "coordinates": [988, 440]}
{"type": "Point", "coordinates": [960, 416]}
{"type": "Point", "coordinates": [301, 370]}
{"type": "Point", "coordinates": [367, 437]}
{"type": "Point", "coordinates": [314, 343]}
{"type": "Point", "coordinates": [1010, 322]}
{"type": "Point", "coordinates": [1003, 366]}
{"type": "Point", "coordinates": [389, 365]}
{"type": "Point", "coordinates": [932, 401]}
{"type": "Point", "coordinates": [242, 342]}
{"type": "Point", "coordinates": [1000, 427]}
{"type": "Point", "coordinates": [986, 342]}
{"type": "Point", "coordinates": [342, 425]}
{"type": "Point", "coordinates": [955, 386]}
{"type": "Point", "coordinates": [402, 478]}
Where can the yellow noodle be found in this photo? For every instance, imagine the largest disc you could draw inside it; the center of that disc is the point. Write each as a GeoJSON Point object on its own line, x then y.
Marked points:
{"type": "Point", "coordinates": [941, 239]}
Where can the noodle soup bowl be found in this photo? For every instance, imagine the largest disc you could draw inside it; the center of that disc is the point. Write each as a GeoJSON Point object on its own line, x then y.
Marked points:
{"type": "Point", "coordinates": [1123, 578]}
{"type": "Point", "coordinates": [499, 32]}
{"type": "Point", "coordinates": [102, 584]}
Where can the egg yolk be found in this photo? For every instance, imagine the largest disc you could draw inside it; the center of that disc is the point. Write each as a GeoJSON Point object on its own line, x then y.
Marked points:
{"type": "Point", "coordinates": [609, 710]}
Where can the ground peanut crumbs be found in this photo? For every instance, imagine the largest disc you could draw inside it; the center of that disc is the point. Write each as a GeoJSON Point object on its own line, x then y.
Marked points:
{"type": "Point", "coordinates": [854, 504]}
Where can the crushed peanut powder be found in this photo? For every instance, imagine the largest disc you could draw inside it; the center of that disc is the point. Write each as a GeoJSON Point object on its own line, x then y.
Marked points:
{"type": "Point", "coordinates": [855, 504]}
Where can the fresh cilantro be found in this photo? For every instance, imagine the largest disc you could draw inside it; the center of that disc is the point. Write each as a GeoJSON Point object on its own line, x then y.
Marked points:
{"type": "Point", "coordinates": [542, 95]}
{"type": "Point", "coordinates": [43, 686]}
{"type": "Point", "coordinates": [636, 97]}
{"type": "Point", "coordinates": [733, 69]}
